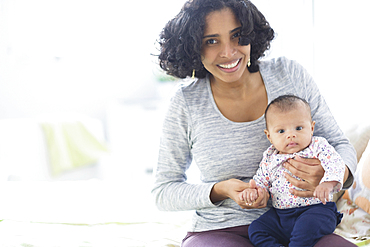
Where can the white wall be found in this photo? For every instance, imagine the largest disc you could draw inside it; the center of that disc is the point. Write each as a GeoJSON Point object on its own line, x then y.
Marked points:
{"type": "Point", "coordinates": [79, 55]}
{"type": "Point", "coordinates": [75, 55]}
{"type": "Point", "coordinates": [292, 21]}
{"type": "Point", "coordinates": [342, 53]}
{"type": "Point", "coordinates": [330, 39]}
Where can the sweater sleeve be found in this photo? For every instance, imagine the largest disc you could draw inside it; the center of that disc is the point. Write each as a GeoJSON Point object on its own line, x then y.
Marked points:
{"type": "Point", "coordinates": [325, 126]}
{"type": "Point", "coordinates": [171, 191]}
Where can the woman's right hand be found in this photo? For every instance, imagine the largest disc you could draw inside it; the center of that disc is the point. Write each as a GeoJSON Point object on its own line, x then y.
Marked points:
{"type": "Point", "coordinates": [233, 188]}
{"type": "Point", "coordinates": [258, 201]}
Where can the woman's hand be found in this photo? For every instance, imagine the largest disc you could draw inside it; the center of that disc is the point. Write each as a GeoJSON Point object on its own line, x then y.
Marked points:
{"type": "Point", "coordinates": [232, 188]}
{"type": "Point", "coordinates": [253, 197]}
{"type": "Point", "coordinates": [250, 195]}
{"type": "Point", "coordinates": [310, 170]}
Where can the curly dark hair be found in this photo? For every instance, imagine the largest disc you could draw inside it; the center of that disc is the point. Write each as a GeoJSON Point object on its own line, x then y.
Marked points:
{"type": "Point", "coordinates": [181, 39]}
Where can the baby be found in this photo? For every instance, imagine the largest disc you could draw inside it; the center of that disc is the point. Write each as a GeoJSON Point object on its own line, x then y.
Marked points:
{"type": "Point", "coordinates": [293, 220]}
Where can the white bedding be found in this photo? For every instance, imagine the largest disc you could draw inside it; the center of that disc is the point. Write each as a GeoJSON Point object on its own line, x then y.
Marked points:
{"type": "Point", "coordinates": [95, 213]}
{"type": "Point", "coordinates": [84, 214]}
{"type": "Point", "coordinates": [355, 225]}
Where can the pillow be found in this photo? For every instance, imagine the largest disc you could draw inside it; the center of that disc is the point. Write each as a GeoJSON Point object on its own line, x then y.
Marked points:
{"type": "Point", "coordinates": [359, 193]}
{"type": "Point", "coordinates": [359, 136]}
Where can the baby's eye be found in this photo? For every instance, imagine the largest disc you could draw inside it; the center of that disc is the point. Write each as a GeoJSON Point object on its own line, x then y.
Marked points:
{"type": "Point", "coordinates": [281, 131]}
{"type": "Point", "coordinates": [299, 128]}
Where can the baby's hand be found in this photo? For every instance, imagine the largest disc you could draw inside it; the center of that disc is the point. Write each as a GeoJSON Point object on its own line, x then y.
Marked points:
{"type": "Point", "coordinates": [323, 190]}
{"type": "Point", "coordinates": [250, 195]}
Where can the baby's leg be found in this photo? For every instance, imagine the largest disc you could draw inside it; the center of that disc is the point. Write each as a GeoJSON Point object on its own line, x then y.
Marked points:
{"type": "Point", "coordinates": [266, 231]}
{"type": "Point", "coordinates": [314, 223]}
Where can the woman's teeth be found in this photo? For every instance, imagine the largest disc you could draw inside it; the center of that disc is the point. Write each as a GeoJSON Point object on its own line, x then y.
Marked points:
{"type": "Point", "coordinates": [230, 65]}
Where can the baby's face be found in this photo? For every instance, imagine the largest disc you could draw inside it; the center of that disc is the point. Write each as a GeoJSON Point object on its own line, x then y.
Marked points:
{"type": "Point", "coordinates": [290, 131]}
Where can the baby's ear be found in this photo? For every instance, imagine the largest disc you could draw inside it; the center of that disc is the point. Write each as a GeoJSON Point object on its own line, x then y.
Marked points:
{"type": "Point", "coordinates": [313, 126]}
{"type": "Point", "coordinates": [267, 133]}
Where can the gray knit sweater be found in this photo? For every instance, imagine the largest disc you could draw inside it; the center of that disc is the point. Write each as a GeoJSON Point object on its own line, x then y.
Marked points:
{"type": "Point", "coordinates": [195, 132]}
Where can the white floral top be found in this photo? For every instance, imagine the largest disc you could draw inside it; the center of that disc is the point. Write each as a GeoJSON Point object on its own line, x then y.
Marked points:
{"type": "Point", "coordinates": [270, 174]}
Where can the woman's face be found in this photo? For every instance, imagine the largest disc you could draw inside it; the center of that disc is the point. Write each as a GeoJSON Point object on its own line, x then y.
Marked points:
{"type": "Point", "coordinates": [221, 53]}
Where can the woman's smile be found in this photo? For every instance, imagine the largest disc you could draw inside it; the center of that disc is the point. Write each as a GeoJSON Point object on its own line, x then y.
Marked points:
{"type": "Point", "coordinates": [230, 67]}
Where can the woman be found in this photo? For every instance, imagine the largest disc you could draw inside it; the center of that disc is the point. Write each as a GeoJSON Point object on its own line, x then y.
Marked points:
{"type": "Point", "coordinates": [217, 120]}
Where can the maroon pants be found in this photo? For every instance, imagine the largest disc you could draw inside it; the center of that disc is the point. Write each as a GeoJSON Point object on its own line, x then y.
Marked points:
{"type": "Point", "coordinates": [238, 237]}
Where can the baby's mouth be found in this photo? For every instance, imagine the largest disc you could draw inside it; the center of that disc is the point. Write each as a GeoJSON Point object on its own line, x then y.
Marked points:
{"type": "Point", "coordinates": [292, 144]}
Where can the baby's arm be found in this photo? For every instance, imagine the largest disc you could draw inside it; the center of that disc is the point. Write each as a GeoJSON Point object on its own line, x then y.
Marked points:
{"type": "Point", "coordinates": [252, 196]}
{"type": "Point", "coordinates": [334, 171]}
{"type": "Point", "coordinates": [323, 190]}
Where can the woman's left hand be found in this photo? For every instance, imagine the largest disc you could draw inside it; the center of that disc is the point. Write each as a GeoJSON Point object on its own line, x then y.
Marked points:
{"type": "Point", "coordinates": [310, 170]}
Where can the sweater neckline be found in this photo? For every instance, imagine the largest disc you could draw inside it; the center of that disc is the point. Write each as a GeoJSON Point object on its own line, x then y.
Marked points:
{"type": "Point", "coordinates": [215, 107]}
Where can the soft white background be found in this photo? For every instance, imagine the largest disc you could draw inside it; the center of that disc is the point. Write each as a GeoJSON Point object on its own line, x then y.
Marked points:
{"type": "Point", "coordinates": [94, 58]}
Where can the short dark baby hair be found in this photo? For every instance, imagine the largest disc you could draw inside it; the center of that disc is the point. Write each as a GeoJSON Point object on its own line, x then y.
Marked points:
{"type": "Point", "coordinates": [286, 103]}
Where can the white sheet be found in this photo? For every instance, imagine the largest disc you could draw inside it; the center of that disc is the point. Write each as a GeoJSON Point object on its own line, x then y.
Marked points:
{"type": "Point", "coordinates": [94, 213]}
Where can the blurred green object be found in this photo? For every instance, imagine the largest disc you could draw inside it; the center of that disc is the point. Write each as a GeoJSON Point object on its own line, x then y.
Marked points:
{"type": "Point", "coordinates": [71, 145]}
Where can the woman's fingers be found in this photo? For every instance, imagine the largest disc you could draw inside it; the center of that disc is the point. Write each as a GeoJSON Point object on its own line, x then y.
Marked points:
{"type": "Point", "coordinates": [304, 168]}
{"type": "Point", "coordinates": [302, 184]}
{"type": "Point", "coordinates": [261, 199]}
{"type": "Point", "coordinates": [252, 184]}
{"type": "Point", "coordinates": [306, 186]}
{"type": "Point", "coordinates": [254, 198]}
{"type": "Point", "coordinates": [310, 170]}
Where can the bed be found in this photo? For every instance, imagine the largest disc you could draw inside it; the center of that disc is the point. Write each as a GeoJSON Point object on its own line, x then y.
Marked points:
{"type": "Point", "coordinates": [96, 213]}
{"type": "Point", "coordinates": [85, 213]}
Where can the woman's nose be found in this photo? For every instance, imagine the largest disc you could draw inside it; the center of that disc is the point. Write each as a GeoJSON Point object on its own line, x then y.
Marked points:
{"type": "Point", "coordinates": [228, 50]}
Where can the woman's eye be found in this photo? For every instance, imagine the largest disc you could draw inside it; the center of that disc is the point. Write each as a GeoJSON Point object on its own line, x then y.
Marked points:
{"type": "Point", "coordinates": [281, 131]}
{"type": "Point", "coordinates": [211, 42]}
{"type": "Point", "coordinates": [299, 128]}
{"type": "Point", "coordinates": [236, 35]}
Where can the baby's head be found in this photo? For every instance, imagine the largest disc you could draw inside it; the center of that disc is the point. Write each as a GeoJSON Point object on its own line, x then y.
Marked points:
{"type": "Point", "coordinates": [289, 125]}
